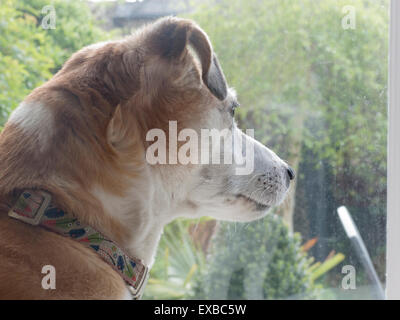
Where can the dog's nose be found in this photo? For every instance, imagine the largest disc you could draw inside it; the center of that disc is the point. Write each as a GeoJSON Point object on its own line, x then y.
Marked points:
{"type": "Point", "coordinates": [291, 173]}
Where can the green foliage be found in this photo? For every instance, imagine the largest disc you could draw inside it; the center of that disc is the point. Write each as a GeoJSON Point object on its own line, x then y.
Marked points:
{"type": "Point", "coordinates": [299, 74]}
{"type": "Point", "coordinates": [181, 270]}
{"type": "Point", "coordinates": [316, 94]}
{"type": "Point", "coordinates": [291, 59]}
{"type": "Point", "coordinates": [178, 261]}
{"type": "Point", "coordinates": [319, 269]}
{"type": "Point", "coordinates": [24, 61]}
{"type": "Point", "coordinates": [302, 80]}
{"type": "Point", "coordinates": [75, 26]}
{"type": "Point", "coordinates": [29, 54]}
{"type": "Point", "coordinates": [259, 260]}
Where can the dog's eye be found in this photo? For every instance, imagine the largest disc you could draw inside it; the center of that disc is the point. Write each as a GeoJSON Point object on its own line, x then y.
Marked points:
{"type": "Point", "coordinates": [234, 105]}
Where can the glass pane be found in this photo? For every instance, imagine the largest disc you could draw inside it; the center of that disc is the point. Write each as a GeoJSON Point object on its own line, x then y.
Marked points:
{"type": "Point", "coordinates": [311, 77]}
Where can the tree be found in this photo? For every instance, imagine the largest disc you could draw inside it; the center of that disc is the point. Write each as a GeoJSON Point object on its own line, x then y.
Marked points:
{"type": "Point", "coordinates": [29, 54]}
{"type": "Point", "coordinates": [294, 65]}
{"type": "Point", "coordinates": [259, 260]}
{"type": "Point", "coordinates": [315, 92]}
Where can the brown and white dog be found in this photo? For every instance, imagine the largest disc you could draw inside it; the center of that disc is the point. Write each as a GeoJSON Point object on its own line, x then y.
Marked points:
{"type": "Point", "coordinates": [82, 137]}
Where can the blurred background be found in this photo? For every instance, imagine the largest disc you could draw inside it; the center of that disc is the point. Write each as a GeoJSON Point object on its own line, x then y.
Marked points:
{"type": "Point", "coordinates": [311, 78]}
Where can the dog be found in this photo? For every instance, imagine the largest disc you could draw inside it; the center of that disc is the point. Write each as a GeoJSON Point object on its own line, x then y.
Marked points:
{"type": "Point", "coordinates": [82, 138]}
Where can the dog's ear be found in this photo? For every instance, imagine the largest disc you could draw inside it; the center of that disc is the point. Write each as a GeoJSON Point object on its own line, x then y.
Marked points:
{"type": "Point", "coordinates": [216, 80]}
{"type": "Point", "coordinates": [170, 38]}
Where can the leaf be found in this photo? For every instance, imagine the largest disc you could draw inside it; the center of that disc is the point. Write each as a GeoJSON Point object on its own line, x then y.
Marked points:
{"type": "Point", "coordinates": [327, 265]}
{"type": "Point", "coordinates": [309, 244]}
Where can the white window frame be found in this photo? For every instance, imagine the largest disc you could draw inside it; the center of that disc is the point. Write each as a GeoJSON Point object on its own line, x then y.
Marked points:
{"type": "Point", "coordinates": [393, 173]}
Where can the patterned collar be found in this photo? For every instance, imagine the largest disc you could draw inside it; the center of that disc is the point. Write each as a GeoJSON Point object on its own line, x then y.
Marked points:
{"type": "Point", "coordinates": [35, 207]}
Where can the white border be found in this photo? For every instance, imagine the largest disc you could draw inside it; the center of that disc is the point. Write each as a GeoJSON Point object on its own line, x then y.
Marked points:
{"type": "Point", "coordinates": [393, 186]}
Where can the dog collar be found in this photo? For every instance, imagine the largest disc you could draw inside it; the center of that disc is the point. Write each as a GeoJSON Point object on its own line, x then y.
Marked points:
{"type": "Point", "coordinates": [35, 207]}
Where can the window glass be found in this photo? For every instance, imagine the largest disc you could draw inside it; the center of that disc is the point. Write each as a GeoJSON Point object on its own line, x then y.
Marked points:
{"type": "Point", "coordinates": [311, 78]}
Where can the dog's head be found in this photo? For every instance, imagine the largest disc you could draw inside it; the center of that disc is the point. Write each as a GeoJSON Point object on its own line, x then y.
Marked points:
{"type": "Point", "coordinates": [145, 124]}
{"type": "Point", "coordinates": [183, 100]}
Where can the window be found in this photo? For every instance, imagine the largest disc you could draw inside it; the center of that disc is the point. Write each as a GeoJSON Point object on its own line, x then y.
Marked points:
{"type": "Point", "coordinates": [393, 283]}
{"type": "Point", "coordinates": [312, 81]}
{"type": "Point", "coordinates": [312, 78]}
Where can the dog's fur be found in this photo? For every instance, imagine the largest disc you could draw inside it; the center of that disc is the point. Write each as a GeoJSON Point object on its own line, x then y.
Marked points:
{"type": "Point", "coordinates": [81, 136]}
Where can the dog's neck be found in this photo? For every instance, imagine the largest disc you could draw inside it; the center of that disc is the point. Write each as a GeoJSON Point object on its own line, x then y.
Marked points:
{"type": "Point", "coordinates": [144, 211]}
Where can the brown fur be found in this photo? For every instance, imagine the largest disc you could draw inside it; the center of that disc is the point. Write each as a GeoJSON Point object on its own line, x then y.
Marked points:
{"type": "Point", "coordinates": [103, 101]}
